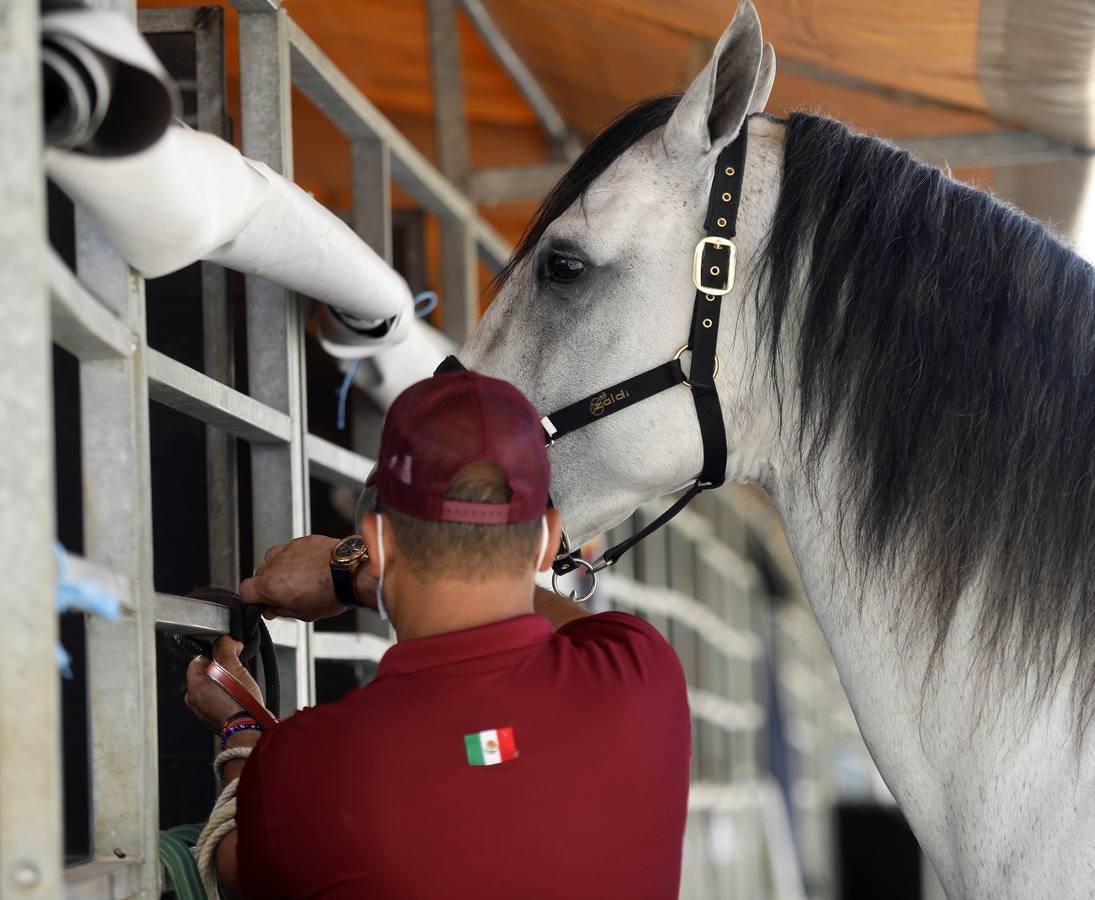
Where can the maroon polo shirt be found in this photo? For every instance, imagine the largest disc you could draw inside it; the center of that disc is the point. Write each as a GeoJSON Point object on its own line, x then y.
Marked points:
{"type": "Point", "coordinates": [376, 796]}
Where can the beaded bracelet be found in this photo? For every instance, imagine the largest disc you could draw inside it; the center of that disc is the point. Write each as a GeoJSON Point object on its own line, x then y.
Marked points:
{"type": "Point", "coordinates": [238, 726]}
{"type": "Point", "coordinates": [242, 714]}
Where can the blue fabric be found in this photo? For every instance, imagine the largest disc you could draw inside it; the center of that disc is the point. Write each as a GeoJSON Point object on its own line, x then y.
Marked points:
{"type": "Point", "coordinates": [344, 392]}
{"type": "Point", "coordinates": [79, 596]}
{"type": "Point", "coordinates": [424, 304]}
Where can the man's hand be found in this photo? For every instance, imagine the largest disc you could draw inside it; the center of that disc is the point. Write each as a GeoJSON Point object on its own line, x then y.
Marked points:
{"type": "Point", "coordinates": [295, 581]}
{"type": "Point", "coordinates": [204, 698]}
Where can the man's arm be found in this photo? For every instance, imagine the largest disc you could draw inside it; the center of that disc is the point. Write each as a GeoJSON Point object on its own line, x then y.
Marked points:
{"type": "Point", "coordinates": [557, 610]}
{"type": "Point", "coordinates": [213, 706]}
{"type": "Point", "coordinates": [294, 580]}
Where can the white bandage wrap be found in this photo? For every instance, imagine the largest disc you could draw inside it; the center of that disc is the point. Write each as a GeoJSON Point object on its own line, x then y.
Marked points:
{"type": "Point", "coordinates": [543, 542]}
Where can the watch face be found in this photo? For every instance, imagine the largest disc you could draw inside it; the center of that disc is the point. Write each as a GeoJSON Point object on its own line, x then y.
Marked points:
{"type": "Point", "coordinates": [348, 549]}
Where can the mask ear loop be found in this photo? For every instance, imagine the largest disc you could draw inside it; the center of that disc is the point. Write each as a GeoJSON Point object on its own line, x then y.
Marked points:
{"type": "Point", "coordinates": [543, 542]}
{"type": "Point", "coordinates": [380, 607]}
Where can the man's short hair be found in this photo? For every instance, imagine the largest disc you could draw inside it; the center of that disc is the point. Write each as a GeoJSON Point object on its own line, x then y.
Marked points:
{"type": "Point", "coordinates": [465, 551]}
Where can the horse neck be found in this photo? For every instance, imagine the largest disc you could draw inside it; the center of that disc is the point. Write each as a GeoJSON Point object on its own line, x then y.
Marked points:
{"type": "Point", "coordinates": [982, 779]}
{"type": "Point", "coordinates": [991, 779]}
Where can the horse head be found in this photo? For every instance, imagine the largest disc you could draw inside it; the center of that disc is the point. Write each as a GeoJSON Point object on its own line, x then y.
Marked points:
{"type": "Point", "coordinates": [601, 289]}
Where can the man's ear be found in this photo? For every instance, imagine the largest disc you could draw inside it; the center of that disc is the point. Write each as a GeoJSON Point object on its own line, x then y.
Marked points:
{"type": "Point", "coordinates": [555, 534]}
{"type": "Point", "coordinates": [735, 82]}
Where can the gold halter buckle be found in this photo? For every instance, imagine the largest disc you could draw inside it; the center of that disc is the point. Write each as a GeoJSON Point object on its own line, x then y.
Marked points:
{"type": "Point", "coordinates": [731, 264]}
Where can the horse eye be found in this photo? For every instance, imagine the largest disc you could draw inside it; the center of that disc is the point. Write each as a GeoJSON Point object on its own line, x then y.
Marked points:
{"type": "Point", "coordinates": [564, 269]}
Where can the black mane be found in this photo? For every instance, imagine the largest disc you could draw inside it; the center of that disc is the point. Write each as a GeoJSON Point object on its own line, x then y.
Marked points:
{"type": "Point", "coordinates": [949, 341]}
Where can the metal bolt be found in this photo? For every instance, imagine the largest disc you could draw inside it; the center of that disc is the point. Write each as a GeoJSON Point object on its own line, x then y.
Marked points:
{"type": "Point", "coordinates": [119, 852]}
{"type": "Point", "coordinates": [26, 875]}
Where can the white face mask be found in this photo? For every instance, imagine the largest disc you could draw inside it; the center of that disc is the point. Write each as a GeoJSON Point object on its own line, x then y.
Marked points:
{"type": "Point", "coordinates": [380, 607]}
{"type": "Point", "coordinates": [543, 542]}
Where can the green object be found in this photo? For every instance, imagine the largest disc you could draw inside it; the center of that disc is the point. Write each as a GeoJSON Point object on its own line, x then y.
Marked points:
{"type": "Point", "coordinates": [177, 857]}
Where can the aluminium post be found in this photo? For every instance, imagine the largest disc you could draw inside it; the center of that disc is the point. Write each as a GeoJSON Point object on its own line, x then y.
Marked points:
{"type": "Point", "coordinates": [30, 751]}
{"type": "Point", "coordinates": [371, 217]}
{"type": "Point", "coordinates": [459, 254]}
{"type": "Point", "coordinates": [275, 321]}
{"type": "Point", "coordinates": [222, 476]}
{"type": "Point", "coordinates": [121, 658]}
{"type": "Point", "coordinates": [121, 655]}
{"type": "Point", "coordinates": [206, 24]}
{"type": "Point", "coordinates": [563, 142]}
{"type": "Point", "coordinates": [371, 179]}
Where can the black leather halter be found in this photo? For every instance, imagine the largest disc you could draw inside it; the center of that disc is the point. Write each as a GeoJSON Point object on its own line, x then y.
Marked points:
{"type": "Point", "coordinates": [713, 274]}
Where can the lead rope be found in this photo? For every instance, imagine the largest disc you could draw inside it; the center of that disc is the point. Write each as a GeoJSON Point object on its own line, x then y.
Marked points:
{"type": "Point", "coordinates": [246, 625]}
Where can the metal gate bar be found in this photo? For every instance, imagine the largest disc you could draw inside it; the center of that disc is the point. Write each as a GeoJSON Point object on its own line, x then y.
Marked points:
{"type": "Point", "coordinates": [30, 796]}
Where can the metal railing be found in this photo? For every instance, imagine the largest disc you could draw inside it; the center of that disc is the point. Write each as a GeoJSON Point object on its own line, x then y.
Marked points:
{"type": "Point", "coordinates": [97, 315]}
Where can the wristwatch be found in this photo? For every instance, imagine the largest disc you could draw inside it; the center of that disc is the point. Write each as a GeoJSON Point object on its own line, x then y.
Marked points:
{"type": "Point", "coordinates": [347, 555]}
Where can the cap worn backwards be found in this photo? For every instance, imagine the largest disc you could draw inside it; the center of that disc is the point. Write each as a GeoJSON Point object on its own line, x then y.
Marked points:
{"type": "Point", "coordinates": [439, 426]}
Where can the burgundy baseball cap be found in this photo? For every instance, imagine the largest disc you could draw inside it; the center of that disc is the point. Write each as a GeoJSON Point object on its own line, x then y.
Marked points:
{"type": "Point", "coordinates": [438, 426]}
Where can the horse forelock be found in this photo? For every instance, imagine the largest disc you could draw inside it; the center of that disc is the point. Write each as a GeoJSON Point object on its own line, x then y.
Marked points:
{"type": "Point", "coordinates": [943, 351]}
{"type": "Point", "coordinates": [622, 134]}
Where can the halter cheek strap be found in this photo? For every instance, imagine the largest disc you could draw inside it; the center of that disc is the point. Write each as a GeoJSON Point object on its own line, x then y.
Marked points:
{"type": "Point", "coordinates": [713, 270]}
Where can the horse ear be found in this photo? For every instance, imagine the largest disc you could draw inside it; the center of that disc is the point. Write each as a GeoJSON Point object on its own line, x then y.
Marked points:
{"type": "Point", "coordinates": [766, 77]}
{"type": "Point", "coordinates": [734, 83]}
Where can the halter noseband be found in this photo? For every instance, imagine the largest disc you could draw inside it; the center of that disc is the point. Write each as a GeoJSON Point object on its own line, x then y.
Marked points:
{"type": "Point", "coordinates": [713, 275]}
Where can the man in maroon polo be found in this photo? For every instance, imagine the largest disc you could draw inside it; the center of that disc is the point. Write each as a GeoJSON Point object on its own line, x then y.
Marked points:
{"type": "Point", "coordinates": [511, 744]}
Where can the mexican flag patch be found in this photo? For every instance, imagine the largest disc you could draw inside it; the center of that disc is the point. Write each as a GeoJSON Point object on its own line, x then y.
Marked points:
{"type": "Point", "coordinates": [490, 747]}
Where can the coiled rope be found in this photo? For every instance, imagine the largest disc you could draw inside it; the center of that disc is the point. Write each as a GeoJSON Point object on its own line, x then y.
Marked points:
{"type": "Point", "coordinates": [222, 821]}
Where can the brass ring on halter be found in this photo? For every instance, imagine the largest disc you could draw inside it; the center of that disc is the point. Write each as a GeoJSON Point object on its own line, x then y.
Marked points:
{"type": "Point", "coordinates": [680, 353]}
{"type": "Point", "coordinates": [580, 563]}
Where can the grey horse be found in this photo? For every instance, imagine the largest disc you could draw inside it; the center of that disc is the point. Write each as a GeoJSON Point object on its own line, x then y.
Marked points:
{"type": "Point", "coordinates": [908, 369]}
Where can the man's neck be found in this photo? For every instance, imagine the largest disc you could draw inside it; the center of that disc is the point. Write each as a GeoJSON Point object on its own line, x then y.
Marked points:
{"type": "Point", "coordinates": [425, 608]}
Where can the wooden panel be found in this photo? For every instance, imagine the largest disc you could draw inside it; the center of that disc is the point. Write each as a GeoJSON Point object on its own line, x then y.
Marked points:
{"type": "Point", "coordinates": [593, 61]}
{"type": "Point", "coordinates": [873, 112]}
{"type": "Point", "coordinates": [928, 47]}
{"type": "Point", "coordinates": [492, 143]}
{"type": "Point", "coordinates": [322, 153]}
{"type": "Point", "coordinates": [510, 219]}
{"type": "Point", "coordinates": [382, 47]}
